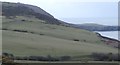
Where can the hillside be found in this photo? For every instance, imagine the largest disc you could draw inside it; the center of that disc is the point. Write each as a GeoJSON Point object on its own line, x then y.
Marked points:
{"type": "Point", "coordinates": [19, 9]}
{"type": "Point", "coordinates": [97, 27]}
{"type": "Point", "coordinates": [27, 33]}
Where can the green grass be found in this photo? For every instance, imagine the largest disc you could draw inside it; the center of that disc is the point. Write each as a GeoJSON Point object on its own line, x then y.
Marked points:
{"type": "Point", "coordinates": [56, 41]}
{"type": "Point", "coordinates": [51, 30]}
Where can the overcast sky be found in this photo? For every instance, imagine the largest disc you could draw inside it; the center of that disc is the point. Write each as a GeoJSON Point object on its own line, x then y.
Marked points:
{"type": "Point", "coordinates": [77, 9]}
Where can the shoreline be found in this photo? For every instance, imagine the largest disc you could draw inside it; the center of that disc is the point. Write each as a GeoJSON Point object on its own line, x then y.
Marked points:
{"type": "Point", "coordinates": [109, 41]}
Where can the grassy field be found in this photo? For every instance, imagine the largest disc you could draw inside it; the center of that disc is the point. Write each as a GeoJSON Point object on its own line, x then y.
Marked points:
{"type": "Point", "coordinates": [50, 30]}
{"type": "Point", "coordinates": [46, 39]}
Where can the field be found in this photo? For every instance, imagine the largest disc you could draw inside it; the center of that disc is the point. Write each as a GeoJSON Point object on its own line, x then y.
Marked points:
{"type": "Point", "coordinates": [23, 36]}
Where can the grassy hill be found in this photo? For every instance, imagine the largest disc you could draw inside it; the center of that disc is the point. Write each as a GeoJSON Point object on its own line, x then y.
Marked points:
{"type": "Point", "coordinates": [44, 39]}
{"type": "Point", "coordinates": [19, 9]}
{"type": "Point", "coordinates": [30, 35]}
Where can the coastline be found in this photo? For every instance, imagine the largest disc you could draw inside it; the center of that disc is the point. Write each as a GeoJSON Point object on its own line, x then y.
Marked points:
{"type": "Point", "coordinates": [109, 41]}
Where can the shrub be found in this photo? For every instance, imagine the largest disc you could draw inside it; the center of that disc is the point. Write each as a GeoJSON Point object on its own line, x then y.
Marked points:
{"type": "Point", "coordinates": [22, 20]}
{"type": "Point", "coordinates": [99, 56]}
{"type": "Point", "coordinates": [20, 30]}
{"type": "Point", "coordinates": [65, 58]}
{"type": "Point", "coordinates": [76, 39]}
{"type": "Point", "coordinates": [8, 55]}
{"type": "Point", "coordinates": [32, 32]}
{"type": "Point", "coordinates": [7, 58]}
{"type": "Point", "coordinates": [50, 58]}
{"type": "Point", "coordinates": [41, 58]}
{"type": "Point", "coordinates": [106, 57]}
{"type": "Point", "coordinates": [41, 34]}
{"type": "Point", "coordinates": [34, 58]}
{"type": "Point", "coordinates": [4, 29]}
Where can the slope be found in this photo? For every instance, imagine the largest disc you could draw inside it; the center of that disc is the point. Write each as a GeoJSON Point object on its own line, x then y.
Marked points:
{"type": "Point", "coordinates": [33, 37]}
{"type": "Point", "coordinates": [27, 32]}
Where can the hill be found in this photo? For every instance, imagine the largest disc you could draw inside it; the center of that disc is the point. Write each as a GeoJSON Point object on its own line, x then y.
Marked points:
{"type": "Point", "coordinates": [97, 27]}
{"type": "Point", "coordinates": [29, 33]}
{"type": "Point", "coordinates": [19, 9]}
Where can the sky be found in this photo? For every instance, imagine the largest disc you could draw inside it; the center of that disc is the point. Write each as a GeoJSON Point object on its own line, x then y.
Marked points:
{"type": "Point", "coordinates": [79, 11]}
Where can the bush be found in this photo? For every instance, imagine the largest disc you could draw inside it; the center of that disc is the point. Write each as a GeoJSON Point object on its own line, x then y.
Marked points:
{"type": "Point", "coordinates": [75, 39]}
{"type": "Point", "coordinates": [36, 58]}
{"type": "Point", "coordinates": [21, 31]}
{"type": "Point", "coordinates": [4, 29]}
{"type": "Point", "coordinates": [8, 55]}
{"type": "Point", "coordinates": [7, 58]}
{"type": "Point", "coordinates": [32, 32]}
{"type": "Point", "coordinates": [22, 20]}
{"type": "Point", "coordinates": [50, 58]}
{"type": "Point", "coordinates": [65, 58]}
{"type": "Point", "coordinates": [41, 34]}
{"type": "Point", "coordinates": [21, 58]}
{"type": "Point", "coordinates": [106, 57]}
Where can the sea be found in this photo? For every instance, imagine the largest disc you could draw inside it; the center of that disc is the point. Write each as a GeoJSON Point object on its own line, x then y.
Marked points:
{"type": "Point", "coordinates": [110, 34]}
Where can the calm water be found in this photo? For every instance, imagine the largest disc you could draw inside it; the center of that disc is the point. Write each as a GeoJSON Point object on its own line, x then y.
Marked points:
{"type": "Point", "coordinates": [111, 34]}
